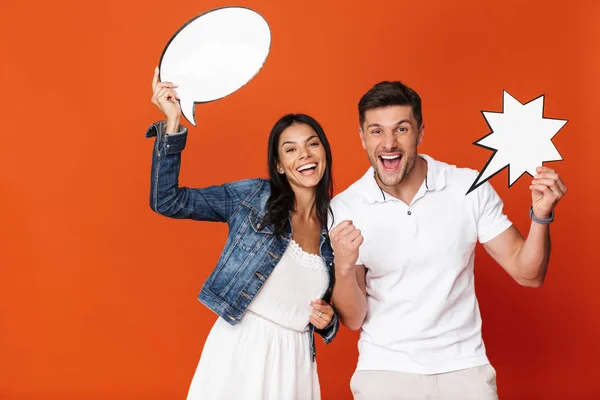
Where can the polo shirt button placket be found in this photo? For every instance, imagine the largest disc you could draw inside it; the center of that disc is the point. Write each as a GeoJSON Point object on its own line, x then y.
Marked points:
{"type": "Point", "coordinates": [411, 223]}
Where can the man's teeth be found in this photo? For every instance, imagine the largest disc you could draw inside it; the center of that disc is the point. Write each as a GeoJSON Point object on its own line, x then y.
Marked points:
{"type": "Point", "coordinates": [391, 157]}
{"type": "Point", "coordinates": [307, 166]}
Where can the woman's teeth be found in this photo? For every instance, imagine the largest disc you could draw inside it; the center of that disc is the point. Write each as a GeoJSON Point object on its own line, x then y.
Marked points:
{"type": "Point", "coordinates": [307, 166]}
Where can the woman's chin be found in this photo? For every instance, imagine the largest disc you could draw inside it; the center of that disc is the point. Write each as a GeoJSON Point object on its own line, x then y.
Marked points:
{"type": "Point", "coordinates": [308, 182]}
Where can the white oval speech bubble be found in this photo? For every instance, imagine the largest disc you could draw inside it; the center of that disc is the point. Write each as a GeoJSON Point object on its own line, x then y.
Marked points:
{"type": "Point", "coordinates": [215, 54]}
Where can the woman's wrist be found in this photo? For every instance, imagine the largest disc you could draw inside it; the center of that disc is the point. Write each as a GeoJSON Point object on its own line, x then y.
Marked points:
{"type": "Point", "coordinates": [172, 126]}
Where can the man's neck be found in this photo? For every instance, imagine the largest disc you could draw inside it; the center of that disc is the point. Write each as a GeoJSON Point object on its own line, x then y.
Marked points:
{"type": "Point", "coordinates": [407, 190]}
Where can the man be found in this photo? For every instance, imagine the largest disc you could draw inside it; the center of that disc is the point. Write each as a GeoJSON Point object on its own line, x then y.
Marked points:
{"type": "Point", "coordinates": [404, 253]}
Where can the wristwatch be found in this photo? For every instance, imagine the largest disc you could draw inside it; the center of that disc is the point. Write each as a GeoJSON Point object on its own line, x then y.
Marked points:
{"type": "Point", "coordinates": [543, 221]}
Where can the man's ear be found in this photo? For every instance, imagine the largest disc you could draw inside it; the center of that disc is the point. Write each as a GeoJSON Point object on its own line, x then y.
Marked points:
{"type": "Point", "coordinates": [362, 137]}
{"type": "Point", "coordinates": [421, 134]}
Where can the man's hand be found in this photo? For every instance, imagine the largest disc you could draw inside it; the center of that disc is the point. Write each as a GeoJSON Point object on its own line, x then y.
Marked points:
{"type": "Point", "coordinates": [546, 191]}
{"type": "Point", "coordinates": [345, 240]}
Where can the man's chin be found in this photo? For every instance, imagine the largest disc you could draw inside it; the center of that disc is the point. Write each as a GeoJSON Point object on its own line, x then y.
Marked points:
{"type": "Point", "coordinates": [389, 178]}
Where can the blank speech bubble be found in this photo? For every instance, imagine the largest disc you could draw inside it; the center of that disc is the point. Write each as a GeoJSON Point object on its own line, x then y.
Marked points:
{"type": "Point", "coordinates": [215, 54]}
{"type": "Point", "coordinates": [521, 139]}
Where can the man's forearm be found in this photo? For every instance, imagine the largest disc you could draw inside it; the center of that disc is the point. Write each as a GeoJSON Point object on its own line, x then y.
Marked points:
{"type": "Point", "coordinates": [532, 259]}
{"type": "Point", "coordinates": [349, 300]}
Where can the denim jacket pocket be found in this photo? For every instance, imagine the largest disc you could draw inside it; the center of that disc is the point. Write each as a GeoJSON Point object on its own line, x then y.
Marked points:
{"type": "Point", "coordinates": [254, 238]}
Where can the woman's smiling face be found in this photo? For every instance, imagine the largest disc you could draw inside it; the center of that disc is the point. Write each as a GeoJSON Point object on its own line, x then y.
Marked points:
{"type": "Point", "coordinates": [301, 156]}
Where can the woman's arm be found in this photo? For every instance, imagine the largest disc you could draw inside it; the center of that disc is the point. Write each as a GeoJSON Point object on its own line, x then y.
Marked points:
{"type": "Point", "coordinates": [214, 203]}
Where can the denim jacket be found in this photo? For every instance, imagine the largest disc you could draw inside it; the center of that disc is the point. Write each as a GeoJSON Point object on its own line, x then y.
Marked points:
{"type": "Point", "coordinates": [250, 254]}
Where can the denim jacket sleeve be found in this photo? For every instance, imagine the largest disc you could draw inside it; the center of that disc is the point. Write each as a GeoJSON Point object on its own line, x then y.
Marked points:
{"type": "Point", "coordinates": [330, 331]}
{"type": "Point", "coordinates": [213, 203]}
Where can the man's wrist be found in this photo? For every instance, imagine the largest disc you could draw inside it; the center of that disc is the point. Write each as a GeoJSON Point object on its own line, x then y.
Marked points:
{"type": "Point", "coordinates": [541, 219]}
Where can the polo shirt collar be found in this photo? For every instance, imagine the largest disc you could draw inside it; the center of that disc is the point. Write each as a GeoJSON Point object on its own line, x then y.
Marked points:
{"type": "Point", "coordinates": [436, 174]}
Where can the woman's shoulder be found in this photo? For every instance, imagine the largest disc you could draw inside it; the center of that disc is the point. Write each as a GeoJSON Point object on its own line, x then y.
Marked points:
{"type": "Point", "coordinates": [250, 184]}
{"type": "Point", "coordinates": [254, 191]}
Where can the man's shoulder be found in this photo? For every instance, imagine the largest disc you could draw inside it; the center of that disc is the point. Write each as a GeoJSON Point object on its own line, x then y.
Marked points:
{"type": "Point", "coordinates": [455, 173]}
{"type": "Point", "coordinates": [346, 204]}
{"type": "Point", "coordinates": [456, 178]}
{"type": "Point", "coordinates": [353, 195]}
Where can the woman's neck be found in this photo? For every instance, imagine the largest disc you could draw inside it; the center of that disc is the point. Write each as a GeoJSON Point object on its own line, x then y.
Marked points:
{"type": "Point", "coordinates": [305, 203]}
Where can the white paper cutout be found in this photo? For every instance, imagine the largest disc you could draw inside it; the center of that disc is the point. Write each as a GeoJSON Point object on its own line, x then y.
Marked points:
{"type": "Point", "coordinates": [215, 54]}
{"type": "Point", "coordinates": [521, 139]}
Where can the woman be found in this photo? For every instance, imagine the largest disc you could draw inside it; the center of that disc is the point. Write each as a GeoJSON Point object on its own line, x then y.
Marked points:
{"type": "Point", "coordinates": [273, 281]}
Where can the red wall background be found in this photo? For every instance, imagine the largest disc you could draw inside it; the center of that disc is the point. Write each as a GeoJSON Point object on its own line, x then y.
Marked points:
{"type": "Point", "coordinates": [98, 294]}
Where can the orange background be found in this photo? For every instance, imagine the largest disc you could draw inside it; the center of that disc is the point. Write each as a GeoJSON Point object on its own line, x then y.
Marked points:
{"type": "Point", "coordinates": [98, 294]}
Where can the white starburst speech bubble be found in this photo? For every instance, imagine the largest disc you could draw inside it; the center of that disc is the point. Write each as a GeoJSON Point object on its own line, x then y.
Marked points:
{"type": "Point", "coordinates": [521, 139]}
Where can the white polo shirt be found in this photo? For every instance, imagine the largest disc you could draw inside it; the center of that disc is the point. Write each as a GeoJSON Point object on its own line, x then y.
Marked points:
{"type": "Point", "coordinates": [423, 316]}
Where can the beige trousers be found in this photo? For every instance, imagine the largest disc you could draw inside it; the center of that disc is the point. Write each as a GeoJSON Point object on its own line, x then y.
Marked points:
{"type": "Point", "coordinates": [478, 383]}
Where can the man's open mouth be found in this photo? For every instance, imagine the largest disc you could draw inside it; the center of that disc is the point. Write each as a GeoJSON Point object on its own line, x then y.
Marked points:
{"type": "Point", "coordinates": [390, 162]}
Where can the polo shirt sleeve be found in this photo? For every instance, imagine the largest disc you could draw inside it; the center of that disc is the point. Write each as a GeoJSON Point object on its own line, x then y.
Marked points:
{"type": "Point", "coordinates": [341, 212]}
{"type": "Point", "coordinates": [491, 218]}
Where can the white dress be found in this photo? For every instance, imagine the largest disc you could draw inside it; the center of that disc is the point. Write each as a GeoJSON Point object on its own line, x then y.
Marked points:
{"type": "Point", "coordinates": [266, 356]}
